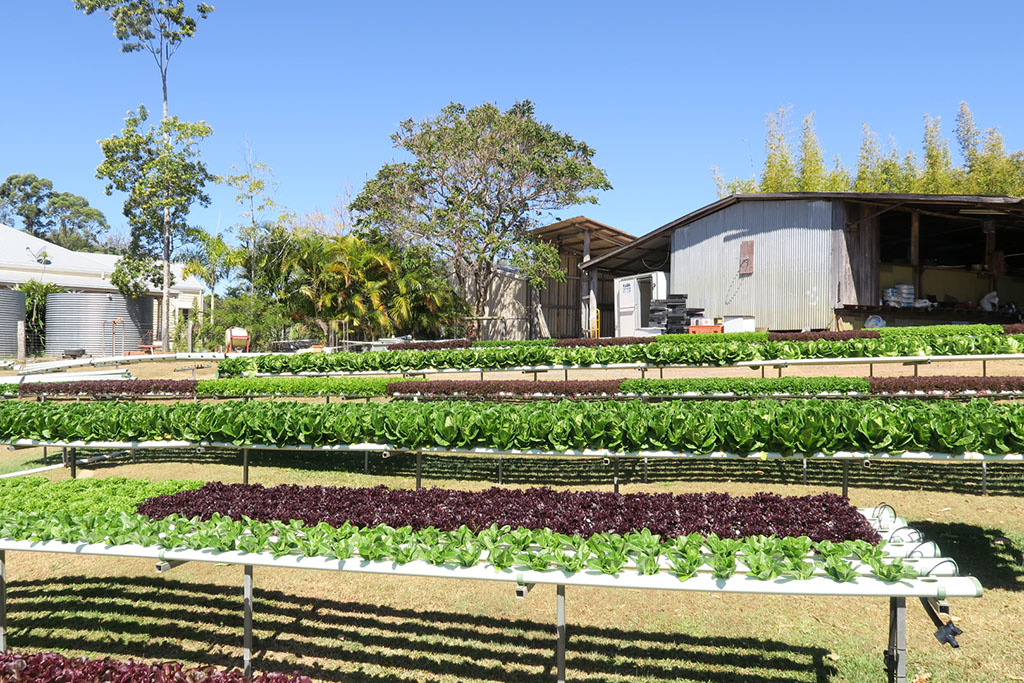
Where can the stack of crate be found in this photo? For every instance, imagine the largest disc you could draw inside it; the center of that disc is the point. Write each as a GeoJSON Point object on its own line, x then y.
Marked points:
{"type": "Point", "coordinates": [672, 315]}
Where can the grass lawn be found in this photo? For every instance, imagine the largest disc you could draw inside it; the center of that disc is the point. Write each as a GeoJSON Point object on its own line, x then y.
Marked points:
{"type": "Point", "coordinates": [338, 627]}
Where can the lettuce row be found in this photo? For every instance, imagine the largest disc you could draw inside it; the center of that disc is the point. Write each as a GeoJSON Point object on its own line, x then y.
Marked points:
{"type": "Point", "coordinates": [742, 427]}
{"type": "Point", "coordinates": [763, 557]}
{"type": "Point", "coordinates": [686, 350]}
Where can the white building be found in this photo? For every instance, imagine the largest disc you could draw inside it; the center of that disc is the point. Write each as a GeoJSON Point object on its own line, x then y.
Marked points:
{"type": "Point", "coordinates": [24, 257]}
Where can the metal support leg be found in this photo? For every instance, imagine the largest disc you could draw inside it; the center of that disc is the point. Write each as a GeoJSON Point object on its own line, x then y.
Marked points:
{"type": "Point", "coordinates": [3, 600]}
{"type": "Point", "coordinates": [896, 655]}
{"type": "Point", "coordinates": [984, 368]}
{"type": "Point", "coordinates": [645, 470]}
{"type": "Point", "coordinates": [131, 452]}
{"type": "Point", "coordinates": [915, 369]}
{"type": "Point", "coordinates": [482, 375]}
{"type": "Point", "coordinates": [984, 478]}
{"type": "Point", "coordinates": [871, 369]}
{"type": "Point", "coordinates": [74, 463]}
{"type": "Point", "coordinates": [366, 462]}
{"type": "Point", "coordinates": [803, 474]}
{"type": "Point", "coordinates": [247, 622]}
{"type": "Point", "coordinates": [779, 368]}
{"type": "Point", "coordinates": [762, 371]}
{"type": "Point", "coordinates": [560, 633]}
{"type": "Point", "coordinates": [245, 465]}
{"type": "Point", "coordinates": [566, 374]}
{"type": "Point", "coordinates": [846, 479]}
{"type": "Point", "coordinates": [46, 459]}
{"type": "Point", "coordinates": [419, 471]}
{"type": "Point", "coordinates": [661, 373]}
{"type": "Point", "coordinates": [616, 479]}
{"type": "Point", "coordinates": [501, 472]}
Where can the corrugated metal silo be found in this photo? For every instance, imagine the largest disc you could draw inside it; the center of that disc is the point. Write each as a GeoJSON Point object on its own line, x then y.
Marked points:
{"type": "Point", "coordinates": [12, 309]}
{"type": "Point", "coordinates": [83, 321]}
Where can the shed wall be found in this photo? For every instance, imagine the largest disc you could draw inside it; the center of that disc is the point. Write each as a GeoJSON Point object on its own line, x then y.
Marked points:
{"type": "Point", "coordinates": [791, 286]}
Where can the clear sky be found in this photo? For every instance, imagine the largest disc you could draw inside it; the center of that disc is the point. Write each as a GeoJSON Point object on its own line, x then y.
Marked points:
{"type": "Point", "coordinates": [662, 91]}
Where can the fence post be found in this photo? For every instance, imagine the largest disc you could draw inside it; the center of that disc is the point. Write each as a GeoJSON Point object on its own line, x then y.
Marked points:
{"type": "Point", "coordinates": [21, 342]}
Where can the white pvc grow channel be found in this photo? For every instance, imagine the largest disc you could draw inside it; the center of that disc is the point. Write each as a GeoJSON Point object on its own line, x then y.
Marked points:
{"type": "Point", "coordinates": [931, 589]}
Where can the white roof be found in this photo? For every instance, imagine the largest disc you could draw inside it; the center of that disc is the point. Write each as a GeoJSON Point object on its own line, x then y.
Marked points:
{"type": "Point", "coordinates": [20, 261]}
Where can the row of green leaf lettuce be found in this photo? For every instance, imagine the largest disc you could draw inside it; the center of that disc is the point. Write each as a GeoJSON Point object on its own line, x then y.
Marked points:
{"type": "Point", "coordinates": [73, 512]}
{"type": "Point", "coordinates": [687, 350]}
{"type": "Point", "coordinates": [742, 427]}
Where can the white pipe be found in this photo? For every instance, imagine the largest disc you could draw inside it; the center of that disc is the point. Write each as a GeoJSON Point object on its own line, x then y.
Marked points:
{"type": "Point", "coordinates": [587, 452]}
{"type": "Point", "coordinates": [929, 587]}
{"type": "Point", "coordinates": [47, 468]}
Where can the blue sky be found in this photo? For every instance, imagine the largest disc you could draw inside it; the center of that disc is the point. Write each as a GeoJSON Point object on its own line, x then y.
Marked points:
{"type": "Point", "coordinates": [662, 91]}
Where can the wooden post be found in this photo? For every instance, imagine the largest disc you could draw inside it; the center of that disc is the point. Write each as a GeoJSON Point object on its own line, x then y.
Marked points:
{"type": "Point", "coordinates": [915, 252]}
{"type": "Point", "coordinates": [21, 342]}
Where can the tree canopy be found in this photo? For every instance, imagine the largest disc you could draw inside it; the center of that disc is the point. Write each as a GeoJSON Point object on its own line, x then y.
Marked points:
{"type": "Point", "coordinates": [986, 167]}
{"type": "Point", "coordinates": [63, 218]}
{"type": "Point", "coordinates": [158, 27]}
{"type": "Point", "coordinates": [160, 170]}
{"type": "Point", "coordinates": [479, 179]}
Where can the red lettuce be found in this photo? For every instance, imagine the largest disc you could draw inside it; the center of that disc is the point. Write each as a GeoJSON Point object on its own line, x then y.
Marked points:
{"type": "Point", "coordinates": [825, 516]}
{"type": "Point", "coordinates": [50, 666]}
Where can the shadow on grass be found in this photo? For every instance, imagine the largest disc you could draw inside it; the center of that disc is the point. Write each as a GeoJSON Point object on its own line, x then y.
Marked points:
{"type": "Point", "coordinates": [1003, 478]}
{"type": "Point", "coordinates": [152, 618]}
{"type": "Point", "coordinates": [984, 553]}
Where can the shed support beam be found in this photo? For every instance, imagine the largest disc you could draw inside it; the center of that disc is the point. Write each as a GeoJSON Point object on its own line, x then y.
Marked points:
{"type": "Point", "coordinates": [585, 312]}
{"type": "Point", "coordinates": [915, 251]}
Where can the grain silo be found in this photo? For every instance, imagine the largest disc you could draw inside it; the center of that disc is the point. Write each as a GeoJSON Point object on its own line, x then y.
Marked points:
{"type": "Point", "coordinates": [84, 321]}
{"type": "Point", "coordinates": [12, 311]}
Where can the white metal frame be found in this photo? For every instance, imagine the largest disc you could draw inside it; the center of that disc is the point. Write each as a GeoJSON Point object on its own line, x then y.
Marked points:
{"type": "Point", "coordinates": [939, 583]}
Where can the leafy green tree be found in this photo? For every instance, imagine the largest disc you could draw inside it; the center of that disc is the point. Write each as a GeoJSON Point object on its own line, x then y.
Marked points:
{"type": "Point", "coordinates": [264, 234]}
{"type": "Point", "coordinates": [811, 174]}
{"type": "Point", "coordinates": [420, 296]}
{"type": "Point", "coordinates": [26, 196]}
{"type": "Point", "coordinates": [212, 261]}
{"type": "Point", "coordinates": [265, 319]}
{"type": "Point", "coordinates": [134, 276]}
{"type": "Point", "coordinates": [161, 172]}
{"type": "Point", "coordinates": [477, 183]}
{"type": "Point", "coordinates": [158, 27]}
{"type": "Point", "coordinates": [937, 175]}
{"type": "Point", "coordinates": [779, 172]}
{"type": "Point", "coordinates": [76, 225]}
